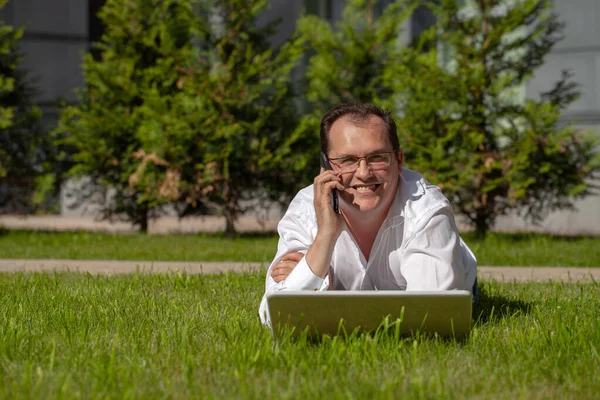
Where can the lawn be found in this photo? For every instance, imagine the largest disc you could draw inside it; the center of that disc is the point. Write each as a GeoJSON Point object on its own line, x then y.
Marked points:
{"type": "Point", "coordinates": [67, 335]}
{"type": "Point", "coordinates": [496, 249]}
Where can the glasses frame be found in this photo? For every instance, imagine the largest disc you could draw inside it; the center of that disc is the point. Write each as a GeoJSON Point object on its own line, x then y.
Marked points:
{"type": "Point", "coordinates": [332, 160]}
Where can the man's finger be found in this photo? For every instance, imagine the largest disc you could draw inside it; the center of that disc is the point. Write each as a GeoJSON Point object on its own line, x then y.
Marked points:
{"type": "Point", "coordinates": [279, 278]}
{"type": "Point", "coordinates": [293, 256]}
{"type": "Point", "coordinates": [325, 177]}
{"type": "Point", "coordinates": [333, 185]}
{"type": "Point", "coordinates": [280, 275]}
{"type": "Point", "coordinates": [282, 267]}
{"type": "Point", "coordinates": [280, 272]}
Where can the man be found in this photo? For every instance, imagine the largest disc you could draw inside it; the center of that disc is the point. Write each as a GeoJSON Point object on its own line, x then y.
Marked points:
{"type": "Point", "coordinates": [395, 231]}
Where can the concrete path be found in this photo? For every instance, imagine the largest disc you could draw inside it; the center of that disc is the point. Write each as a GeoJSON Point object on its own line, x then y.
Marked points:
{"type": "Point", "coordinates": [565, 274]}
{"type": "Point", "coordinates": [162, 225]}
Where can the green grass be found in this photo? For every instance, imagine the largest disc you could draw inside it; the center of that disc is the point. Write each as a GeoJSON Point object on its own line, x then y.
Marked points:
{"type": "Point", "coordinates": [535, 250]}
{"type": "Point", "coordinates": [100, 246]}
{"type": "Point", "coordinates": [67, 335]}
{"type": "Point", "coordinates": [497, 249]}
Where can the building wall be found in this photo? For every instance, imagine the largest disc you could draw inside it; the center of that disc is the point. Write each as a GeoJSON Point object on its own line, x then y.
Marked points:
{"type": "Point", "coordinates": [55, 38]}
{"type": "Point", "coordinates": [579, 52]}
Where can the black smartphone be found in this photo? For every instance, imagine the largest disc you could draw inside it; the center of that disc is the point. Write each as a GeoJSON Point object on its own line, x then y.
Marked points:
{"type": "Point", "coordinates": [334, 193]}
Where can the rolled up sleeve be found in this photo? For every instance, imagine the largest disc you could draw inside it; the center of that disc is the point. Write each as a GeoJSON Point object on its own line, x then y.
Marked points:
{"type": "Point", "coordinates": [295, 234]}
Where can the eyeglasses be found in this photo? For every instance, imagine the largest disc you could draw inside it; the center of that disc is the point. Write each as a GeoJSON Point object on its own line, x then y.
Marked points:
{"type": "Point", "coordinates": [374, 161]}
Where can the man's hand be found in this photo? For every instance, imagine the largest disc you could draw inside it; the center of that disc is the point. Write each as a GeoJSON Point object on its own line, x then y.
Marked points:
{"type": "Point", "coordinates": [327, 220]}
{"type": "Point", "coordinates": [288, 262]}
{"type": "Point", "coordinates": [329, 223]}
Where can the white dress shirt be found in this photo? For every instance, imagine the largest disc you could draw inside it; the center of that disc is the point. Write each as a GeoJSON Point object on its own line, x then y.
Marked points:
{"type": "Point", "coordinates": [417, 247]}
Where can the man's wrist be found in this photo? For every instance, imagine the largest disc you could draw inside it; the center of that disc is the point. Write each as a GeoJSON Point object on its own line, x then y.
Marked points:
{"type": "Point", "coordinates": [319, 254]}
{"type": "Point", "coordinates": [327, 238]}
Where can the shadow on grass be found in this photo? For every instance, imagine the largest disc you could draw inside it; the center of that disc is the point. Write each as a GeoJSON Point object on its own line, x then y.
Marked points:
{"type": "Point", "coordinates": [257, 235]}
{"type": "Point", "coordinates": [58, 233]}
{"type": "Point", "coordinates": [494, 308]}
{"type": "Point", "coordinates": [82, 232]}
{"type": "Point", "coordinates": [389, 329]}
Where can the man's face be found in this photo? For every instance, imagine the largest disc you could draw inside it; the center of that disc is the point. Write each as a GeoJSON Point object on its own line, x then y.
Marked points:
{"type": "Point", "coordinates": [366, 189]}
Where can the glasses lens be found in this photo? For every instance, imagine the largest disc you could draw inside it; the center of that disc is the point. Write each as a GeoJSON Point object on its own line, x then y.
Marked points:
{"type": "Point", "coordinates": [379, 160]}
{"type": "Point", "coordinates": [348, 164]}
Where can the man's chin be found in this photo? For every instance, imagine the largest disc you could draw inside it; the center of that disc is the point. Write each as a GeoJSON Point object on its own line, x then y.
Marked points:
{"type": "Point", "coordinates": [366, 205]}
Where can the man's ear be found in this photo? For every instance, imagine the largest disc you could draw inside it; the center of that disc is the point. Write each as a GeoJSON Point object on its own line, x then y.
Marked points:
{"type": "Point", "coordinates": [400, 157]}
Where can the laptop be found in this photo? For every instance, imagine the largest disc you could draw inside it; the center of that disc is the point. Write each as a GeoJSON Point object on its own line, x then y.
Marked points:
{"type": "Point", "coordinates": [447, 313]}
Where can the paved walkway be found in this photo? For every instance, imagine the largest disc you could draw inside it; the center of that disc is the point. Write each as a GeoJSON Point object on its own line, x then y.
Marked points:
{"type": "Point", "coordinates": [162, 225]}
{"type": "Point", "coordinates": [565, 274]}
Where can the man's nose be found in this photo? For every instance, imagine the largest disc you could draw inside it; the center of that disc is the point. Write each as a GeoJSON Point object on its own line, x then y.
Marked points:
{"type": "Point", "coordinates": [363, 169]}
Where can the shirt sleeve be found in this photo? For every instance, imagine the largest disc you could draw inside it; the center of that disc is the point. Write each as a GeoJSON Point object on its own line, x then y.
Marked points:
{"type": "Point", "coordinates": [295, 234]}
{"type": "Point", "coordinates": [432, 258]}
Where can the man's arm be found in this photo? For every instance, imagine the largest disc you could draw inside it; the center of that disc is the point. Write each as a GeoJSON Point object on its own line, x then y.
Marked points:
{"type": "Point", "coordinates": [309, 271]}
{"type": "Point", "coordinates": [294, 238]}
{"type": "Point", "coordinates": [285, 273]}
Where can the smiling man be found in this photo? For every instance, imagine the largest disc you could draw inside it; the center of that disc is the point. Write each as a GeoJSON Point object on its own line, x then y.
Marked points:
{"type": "Point", "coordinates": [395, 231]}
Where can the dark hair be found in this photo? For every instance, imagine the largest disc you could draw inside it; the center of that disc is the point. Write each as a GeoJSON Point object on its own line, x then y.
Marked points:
{"type": "Point", "coordinates": [358, 113]}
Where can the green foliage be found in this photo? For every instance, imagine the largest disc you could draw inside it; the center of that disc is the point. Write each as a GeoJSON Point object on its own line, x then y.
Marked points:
{"type": "Point", "coordinates": [464, 125]}
{"type": "Point", "coordinates": [23, 144]}
{"type": "Point", "coordinates": [239, 88]}
{"type": "Point", "coordinates": [345, 63]}
{"type": "Point", "coordinates": [187, 106]}
{"type": "Point", "coordinates": [108, 135]}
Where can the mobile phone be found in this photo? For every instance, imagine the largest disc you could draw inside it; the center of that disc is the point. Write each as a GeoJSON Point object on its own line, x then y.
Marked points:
{"type": "Point", "coordinates": [335, 203]}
